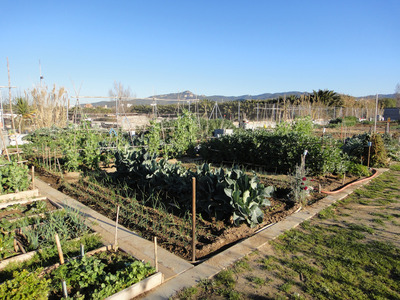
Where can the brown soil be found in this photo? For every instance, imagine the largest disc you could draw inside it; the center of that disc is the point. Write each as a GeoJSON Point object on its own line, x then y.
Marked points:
{"type": "Point", "coordinates": [211, 236]}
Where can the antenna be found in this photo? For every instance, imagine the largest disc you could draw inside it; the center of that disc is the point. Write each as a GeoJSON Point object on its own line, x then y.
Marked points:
{"type": "Point", "coordinates": [40, 73]}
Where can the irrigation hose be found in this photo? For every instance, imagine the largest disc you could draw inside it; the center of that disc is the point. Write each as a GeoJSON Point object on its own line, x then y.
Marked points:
{"type": "Point", "coordinates": [353, 183]}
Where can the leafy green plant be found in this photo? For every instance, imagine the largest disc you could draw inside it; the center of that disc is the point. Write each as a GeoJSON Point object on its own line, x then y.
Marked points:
{"type": "Point", "coordinates": [13, 177]}
{"type": "Point", "coordinates": [358, 170]}
{"type": "Point", "coordinates": [25, 285]}
{"type": "Point", "coordinates": [248, 197]}
{"type": "Point", "coordinates": [94, 276]}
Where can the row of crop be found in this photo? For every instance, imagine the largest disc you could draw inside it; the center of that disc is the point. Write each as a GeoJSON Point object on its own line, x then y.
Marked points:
{"type": "Point", "coordinates": [72, 148]}
{"type": "Point", "coordinates": [279, 152]}
{"type": "Point", "coordinates": [221, 194]}
{"type": "Point", "coordinates": [38, 232]}
{"type": "Point", "coordinates": [171, 231]}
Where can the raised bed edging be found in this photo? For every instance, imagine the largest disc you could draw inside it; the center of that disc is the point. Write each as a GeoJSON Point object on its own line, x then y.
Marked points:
{"type": "Point", "coordinates": [19, 195]}
{"type": "Point", "coordinates": [139, 288]}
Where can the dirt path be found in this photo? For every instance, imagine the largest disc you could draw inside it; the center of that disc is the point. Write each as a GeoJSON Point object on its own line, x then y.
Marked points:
{"type": "Point", "coordinates": [351, 250]}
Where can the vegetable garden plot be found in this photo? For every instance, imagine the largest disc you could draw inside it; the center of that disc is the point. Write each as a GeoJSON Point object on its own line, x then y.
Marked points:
{"type": "Point", "coordinates": [98, 274]}
{"type": "Point", "coordinates": [33, 232]}
{"type": "Point", "coordinates": [173, 232]}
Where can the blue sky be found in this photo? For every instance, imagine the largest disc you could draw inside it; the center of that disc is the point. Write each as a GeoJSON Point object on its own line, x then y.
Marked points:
{"type": "Point", "coordinates": [208, 47]}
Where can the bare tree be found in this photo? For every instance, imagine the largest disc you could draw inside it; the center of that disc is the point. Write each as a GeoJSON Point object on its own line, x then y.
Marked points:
{"type": "Point", "coordinates": [398, 95]}
{"type": "Point", "coordinates": [121, 94]}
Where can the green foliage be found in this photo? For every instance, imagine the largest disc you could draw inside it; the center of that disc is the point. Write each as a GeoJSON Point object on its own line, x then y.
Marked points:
{"type": "Point", "coordinates": [207, 126]}
{"type": "Point", "coordinates": [248, 197]}
{"type": "Point", "coordinates": [153, 138]}
{"type": "Point", "coordinates": [357, 148]}
{"type": "Point", "coordinates": [182, 136]}
{"type": "Point", "coordinates": [392, 147]}
{"type": "Point", "coordinates": [80, 272]}
{"type": "Point", "coordinates": [220, 193]}
{"type": "Point", "coordinates": [68, 224]}
{"type": "Point", "coordinates": [81, 147]}
{"type": "Point", "coordinates": [300, 126]}
{"type": "Point", "coordinates": [25, 285]}
{"type": "Point", "coordinates": [378, 152]}
{"type": "Point", "coordinates": [327, 97]}
{"type": "Point", "coordinates": [13, 177]}
{"type": "Point", "coordinates": [94, 277]}
{"type": "Point", "coordinates": [358, 170]}
{"type": "Point", "coordinates": [300, 185]}
{"type": "Point", "coordinates": [277, 151]}
{"type": "Point", "coordinates": [388, 102]}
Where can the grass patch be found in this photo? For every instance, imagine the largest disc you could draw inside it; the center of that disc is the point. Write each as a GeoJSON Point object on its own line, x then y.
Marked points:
{"type": "Point", "coordinates": [242, 265]}
{"type": "Point", "coordinates": [188, 293]}
{"type": "Point", "coordinates": [381, 215]}
{"type": "Point", "coordinates": [225, 278]}
{"type": "Point", "coordinates": [395, 167]}
{"type": "Point", "coordinates": [286, 286]}
{"type": "Point", "coordinates": [327, 213]}
{"type": "Point", "coordinates": [361, 227]}
{"type": "Point", "coordinates": [378, 221]}
{"type": "Point", "coordinates": [257, 280]}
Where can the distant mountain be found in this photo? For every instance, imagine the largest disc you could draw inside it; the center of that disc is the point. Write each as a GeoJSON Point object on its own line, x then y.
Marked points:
{"type": "Point", "coordinates": [380, 96]}
{"type": "Point", "coordinates": [188, 95]}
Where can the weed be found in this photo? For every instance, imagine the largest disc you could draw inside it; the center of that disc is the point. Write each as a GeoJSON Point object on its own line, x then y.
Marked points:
{"type": "Point", "coordinates": [383, 216]}
{"type": "Point", "coordinates": [188, 293]}
{"type": "Point", "coordinates": [327, 213]}
{"type": "Point", "coordinates": [395, 167]}
{"type": "Point", "coordinates": [241, 265]}
{"type": "Point", "coordinates": [256, 280]}
{"type": "Point", "coordinates": [378, 221]}
{"type": "Point", "coordinates": [286, 286]}
{"type": "Point", "coordinates": [268, 263]}
{"type": "Point", "coordinates": [361, 227]}
{"type": "Point", "coordinates": [225, 278]}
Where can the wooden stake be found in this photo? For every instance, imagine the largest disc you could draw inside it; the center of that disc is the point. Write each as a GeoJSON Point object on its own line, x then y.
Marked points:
{"type": "Point", "coordinates": [33, 177]}
{"type": "Point", "coordinates": [60, 253]}
{"type": "Point", "coordinates": [116, 231]}
{"type": "Point", "coordinates": [155, 254]}
{"type": "Point", "coordinates": [193, 219]}
{"type": "Point", "coordinates": [20, 246]}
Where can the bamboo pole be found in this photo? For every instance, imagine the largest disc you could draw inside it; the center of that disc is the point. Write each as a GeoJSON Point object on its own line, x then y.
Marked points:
{"type": "Point", "coordinates": [155, 254]}
{"type": "Point", "coordinates": [4, 144]}
{"type": "Point", "coordinates": [59, 249]}
{"type": "Point", "coordinates": [193, 219]}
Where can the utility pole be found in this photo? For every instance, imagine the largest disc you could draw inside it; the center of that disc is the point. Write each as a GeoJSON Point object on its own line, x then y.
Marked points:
{"type": "Point", "coordinates": [376, 112]}
{"type": "Point", "coordinates": [9, 95]}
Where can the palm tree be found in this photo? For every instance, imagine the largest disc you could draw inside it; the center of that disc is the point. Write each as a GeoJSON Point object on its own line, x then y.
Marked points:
{"type": "Point", "coordinates": [327, 97]}
{"type": "Point", "coordinates": [23, 111]}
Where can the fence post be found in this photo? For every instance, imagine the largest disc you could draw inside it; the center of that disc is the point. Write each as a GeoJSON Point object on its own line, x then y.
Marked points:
{"type": "Point", "coordinates": [193, 219]}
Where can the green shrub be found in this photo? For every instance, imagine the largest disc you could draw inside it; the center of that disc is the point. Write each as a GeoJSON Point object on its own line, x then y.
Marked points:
{"type": "Point", "coordinates": [358, 170]}
{"type": "Point", "coordinates": [378, 152]}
